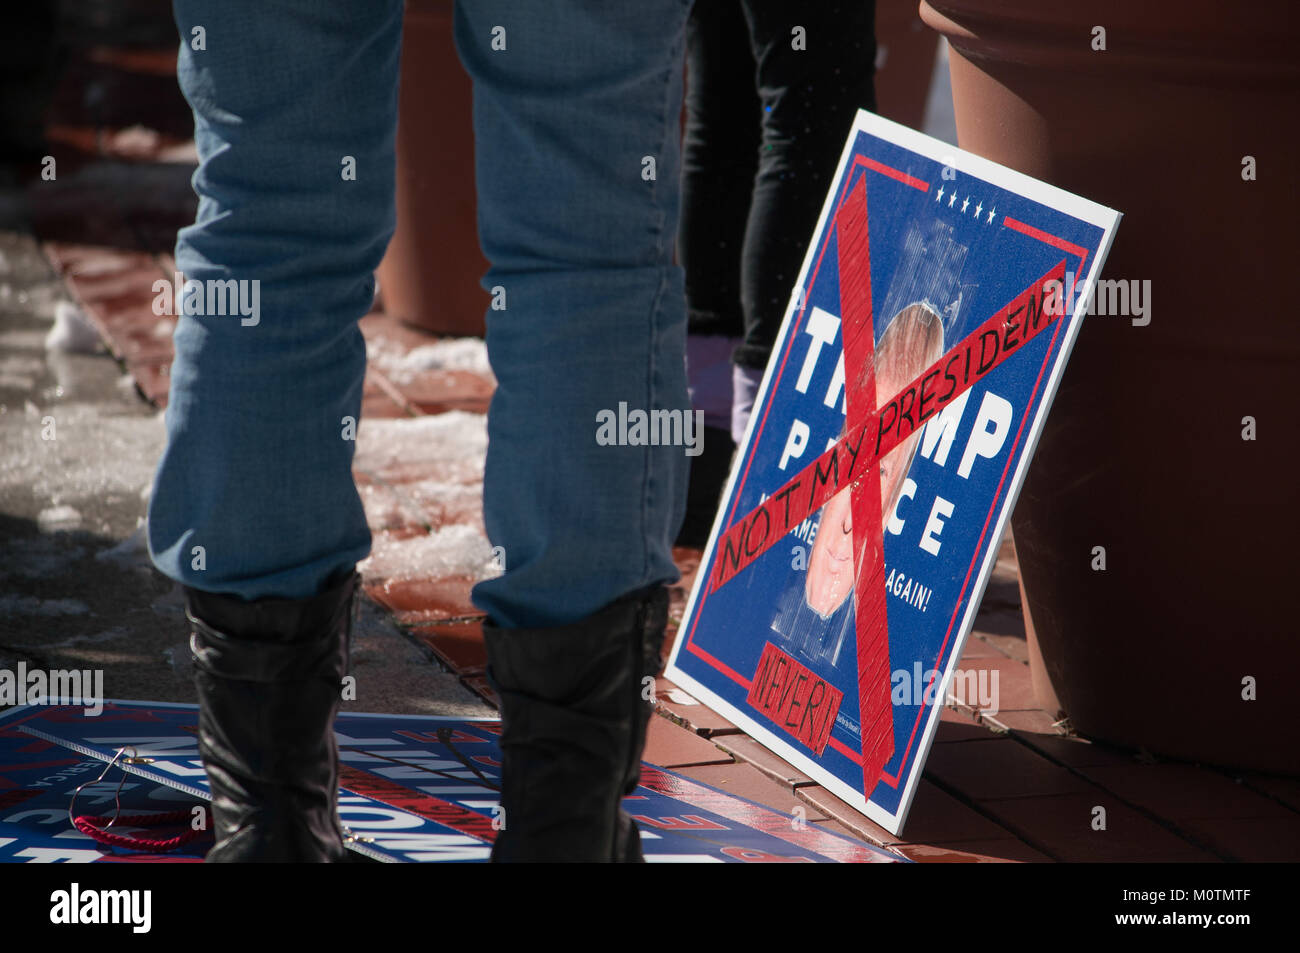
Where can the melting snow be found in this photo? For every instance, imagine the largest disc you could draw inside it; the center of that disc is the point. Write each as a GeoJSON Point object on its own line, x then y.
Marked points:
{"type": "Point", "coordinates": [450, 551]}
{"type": "Point", "coordinates": [446, 453]}
{"type": "Point", "coordinates": [452, 354]}
{"type": "Point", "coordinates": [90, 456]}
{"type": "Point", "coordinates": [73, 332]}
{"type": "Point", "coordinates": [55, 518]}
{"type": "Point", "coordinates": [448, 447]}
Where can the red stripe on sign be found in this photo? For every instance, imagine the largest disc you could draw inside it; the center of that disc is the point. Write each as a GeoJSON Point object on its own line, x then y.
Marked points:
{"type": "Point", "coordinates": [893, 173]}
{"type": "Point", "coordinates": [17, 796]}
{"type": "Point", "coordinates": [679, 822]}
{"type": "Point", "coordinates": [35, 766]}
{"type": "Point", "coordinates": [1043, 236]}
{"type": "Point", "coordinates": [842, 748]}
{"type": "Point", "coordinates": [794, 698]}
{"type": "Point", "coordinates": [759, 818]}
{"type": "Point", "coordinates": [726, 670]}
{"type": "Point", "coordinates": [871, 621]}
{"type": "Point", "coordinates": [460, 819]}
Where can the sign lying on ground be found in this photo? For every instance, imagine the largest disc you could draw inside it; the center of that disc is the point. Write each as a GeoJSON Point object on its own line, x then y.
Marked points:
{"type": "Point", "coordinates": [413, 790]}
{"type": "Point", "coordinates": [923, 344]}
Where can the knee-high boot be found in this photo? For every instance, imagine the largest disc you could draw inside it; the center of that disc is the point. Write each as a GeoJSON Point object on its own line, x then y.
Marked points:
{"type": "Point", "coordinates": [574, 709]}
{"type": "Point", "coordinates": [269, 677]}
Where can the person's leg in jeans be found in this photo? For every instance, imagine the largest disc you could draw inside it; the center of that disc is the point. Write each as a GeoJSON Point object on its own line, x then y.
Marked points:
{"type": "Point", "coordinates": [254, 509]}
{"type": "Point", "coordinates": [719, 162]}
{"type": "Point", "coordinates": [576, 109]}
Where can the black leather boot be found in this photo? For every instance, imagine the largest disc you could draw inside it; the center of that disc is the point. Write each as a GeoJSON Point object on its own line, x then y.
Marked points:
{"type": "Point", "coordinates": [574, 721]}
{"type": "Point", "coordinates": [269, 675]}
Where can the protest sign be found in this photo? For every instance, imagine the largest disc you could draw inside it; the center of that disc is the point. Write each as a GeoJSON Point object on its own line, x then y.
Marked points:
{"type": "Point", "coordinates": [925, 336]}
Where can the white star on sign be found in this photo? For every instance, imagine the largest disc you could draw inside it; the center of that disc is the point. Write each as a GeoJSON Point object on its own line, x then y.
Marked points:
{"type": "Point", "coordinates": [991, 211]}
{"type": "Point", "coordinates": [939, 194]}
{"type": "Point", "coordinates": [978, 209]}
{"type": "Point", "coordinates": [951, 199]}
{"type": "Point", "coordinates": [964, 203]}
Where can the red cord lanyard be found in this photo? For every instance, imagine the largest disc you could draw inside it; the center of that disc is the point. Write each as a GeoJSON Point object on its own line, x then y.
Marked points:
{"type": "Point", "coordinates": [96, 827]}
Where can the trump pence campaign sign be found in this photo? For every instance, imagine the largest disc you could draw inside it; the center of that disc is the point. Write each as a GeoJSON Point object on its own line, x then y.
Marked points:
{"type": "Point", "coordinates": [922, 346]}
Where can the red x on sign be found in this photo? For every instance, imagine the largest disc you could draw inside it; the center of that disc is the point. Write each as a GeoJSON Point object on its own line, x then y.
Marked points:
{"type": "Point", "coordinates": [873, 429]}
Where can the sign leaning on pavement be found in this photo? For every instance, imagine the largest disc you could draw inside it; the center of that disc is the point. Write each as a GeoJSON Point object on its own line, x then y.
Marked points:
{"type": "Point", "coordinates": [923, 343]}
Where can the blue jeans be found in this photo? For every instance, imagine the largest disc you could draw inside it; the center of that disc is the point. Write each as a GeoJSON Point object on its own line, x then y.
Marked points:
{"type": "Point", "coordinates": [254, 494]}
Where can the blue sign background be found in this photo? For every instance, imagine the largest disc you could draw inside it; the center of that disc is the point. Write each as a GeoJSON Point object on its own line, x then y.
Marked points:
{"type": "Point", "coordinates": [916, 240]}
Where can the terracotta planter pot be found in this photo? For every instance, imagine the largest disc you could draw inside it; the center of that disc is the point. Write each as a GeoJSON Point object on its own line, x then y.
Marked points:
{"type": "Point", "coordinates": [1143, 452]}
{"type": "Point", "coordinates": [904, 62]}
{"type": "Point", "coordinates": [430, 275]}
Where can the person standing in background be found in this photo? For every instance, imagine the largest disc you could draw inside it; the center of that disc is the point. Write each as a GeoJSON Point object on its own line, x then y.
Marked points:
{"type": "Point", "coordinates": [772, 89]}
